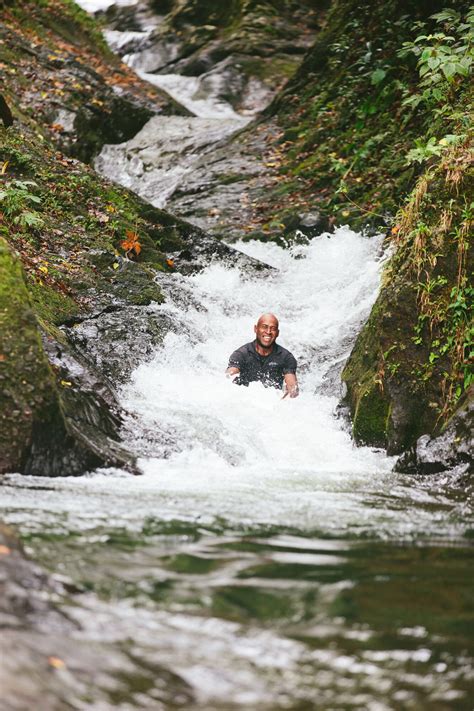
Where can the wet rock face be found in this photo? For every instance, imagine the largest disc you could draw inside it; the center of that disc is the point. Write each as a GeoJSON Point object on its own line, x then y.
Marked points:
{"type": "Point", "coordinates": [452, 450]}
{"type": "Point", "coordinates": [118, 342]}
{"type": "Point", "coordinates": [164, 154]}
{"type": "Point", "coordinates": [50, 425]}
{"type": "Point", "coordinates": [241, 52]}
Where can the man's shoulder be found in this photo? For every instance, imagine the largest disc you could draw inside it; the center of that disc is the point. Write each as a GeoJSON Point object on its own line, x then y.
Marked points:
{"type": "Point", "coordinates": [242, 354]}
{"type": "Point", "coordinates": [246, 348]}
{"type": "Point", "coordinates": [283, 352]}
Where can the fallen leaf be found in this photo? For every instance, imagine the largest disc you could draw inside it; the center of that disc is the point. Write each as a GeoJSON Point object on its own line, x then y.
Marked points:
{"type": "Point", "coordinates": [56, 662]}
{"type": "Point", "coordinates": [131, 243]}
{"type": "Point", "coordinates": [4, 550]}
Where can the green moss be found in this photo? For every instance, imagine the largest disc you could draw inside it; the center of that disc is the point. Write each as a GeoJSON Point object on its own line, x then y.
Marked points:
{"type": "Point", "coordinates": [281, 67]}
{"type": "Point", "coordinates": [28, 393]}
{"type": "Point", "coordinates": [371, 417]}
{"type": "Point", "coordinates": [51, 306]}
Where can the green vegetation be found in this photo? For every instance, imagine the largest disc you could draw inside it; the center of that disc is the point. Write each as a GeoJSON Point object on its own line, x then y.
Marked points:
{"type": "Point", "coordinates": [377, 131]}
{"type": "Point", "coordinates": [379, 93]}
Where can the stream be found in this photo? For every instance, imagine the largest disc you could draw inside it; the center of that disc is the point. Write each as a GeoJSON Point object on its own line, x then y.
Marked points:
{"type": "Point", "coordinates": [261, 560]}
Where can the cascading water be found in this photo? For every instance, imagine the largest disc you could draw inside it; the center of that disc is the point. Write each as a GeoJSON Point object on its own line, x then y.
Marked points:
{"type": "Point", "coordinates": [235, 445]}
{"type": "Point", "coordinates": [261, 561]}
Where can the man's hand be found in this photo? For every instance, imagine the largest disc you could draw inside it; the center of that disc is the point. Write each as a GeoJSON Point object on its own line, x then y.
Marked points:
{"type": "Point", "coordinates": [232, 373]}
{"type": "Point", "coordinates": [291, 386]}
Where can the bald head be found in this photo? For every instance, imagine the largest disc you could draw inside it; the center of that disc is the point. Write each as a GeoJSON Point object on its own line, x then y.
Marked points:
{"type": "Point", "coordinates": [266, 332]}
{"type": "Point", "coordinates": [268, 318]}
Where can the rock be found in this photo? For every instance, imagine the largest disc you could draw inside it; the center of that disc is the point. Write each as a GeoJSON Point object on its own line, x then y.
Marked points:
{"type": "Point", "coordinates": [43, 432]}
{"type": "Point", "coordinates": [23, 585]}
{"type": "Point", "coordinates": [29, 402]}
{"type": "Point", "coordinates": [49, 660]}
{"type": "Point", "coordinates": [301, 227]}
{"type": "Point", "coordinates": [117, 342]}
{"type": "Point", "coordinates": [231, 44]}
{"type": "Point", "coordinates": [453, 449]}
{"type": "Point", "coordinates": [5, 112]}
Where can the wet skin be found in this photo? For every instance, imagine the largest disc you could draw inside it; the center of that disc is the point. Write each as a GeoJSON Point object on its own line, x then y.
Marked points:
{"type": "Point", "coordinates": [266, 332]}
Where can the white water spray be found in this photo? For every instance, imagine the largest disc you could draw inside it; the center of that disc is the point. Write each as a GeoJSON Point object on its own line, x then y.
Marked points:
{"type": "Point", "coordinates": [231, 446]}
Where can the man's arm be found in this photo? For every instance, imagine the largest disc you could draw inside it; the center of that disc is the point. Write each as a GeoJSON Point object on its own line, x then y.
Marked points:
{"type": "Point", "coordinates": [232, 372]}
{"type": "Point", "coordinates": [291, 385]}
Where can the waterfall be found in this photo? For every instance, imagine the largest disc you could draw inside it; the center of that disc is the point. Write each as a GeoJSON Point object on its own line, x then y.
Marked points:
{"type": "Point", "coordinates": [202, 436]}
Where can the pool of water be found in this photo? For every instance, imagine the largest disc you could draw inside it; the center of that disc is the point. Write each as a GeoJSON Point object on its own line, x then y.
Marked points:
{"type": "Point", "coordinates": [261, 560]}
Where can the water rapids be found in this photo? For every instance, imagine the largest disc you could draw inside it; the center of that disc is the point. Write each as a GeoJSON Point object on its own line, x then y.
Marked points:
{"type": "Point", "coordinates": [261, 560]}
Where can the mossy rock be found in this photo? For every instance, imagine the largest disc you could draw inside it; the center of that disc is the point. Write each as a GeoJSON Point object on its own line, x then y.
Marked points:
{"type": "Point", "coordinates": [388, 408]}
{"type": "Point", "coordinates": [40, 433]}
{"type": "Point", "coordinates": [29, 404]}
{"type": "Point", "coordinates": [371, 417]}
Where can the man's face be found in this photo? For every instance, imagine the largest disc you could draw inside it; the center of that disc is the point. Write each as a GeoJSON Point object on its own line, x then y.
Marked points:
{"type": "Point", "coordinates": [266, 331]}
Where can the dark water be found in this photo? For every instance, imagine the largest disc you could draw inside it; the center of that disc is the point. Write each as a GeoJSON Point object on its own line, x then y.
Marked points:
{"type": "Point", "coordinates": [184, 613]}
{"type": "Point", "coordinates": [263, 562]}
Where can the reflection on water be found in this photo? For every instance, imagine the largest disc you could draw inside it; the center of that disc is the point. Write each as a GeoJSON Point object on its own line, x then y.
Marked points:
{"type": "Point", "coordinates": [261, 561]}
{"type": "Point", "coordinates": [216, 616]}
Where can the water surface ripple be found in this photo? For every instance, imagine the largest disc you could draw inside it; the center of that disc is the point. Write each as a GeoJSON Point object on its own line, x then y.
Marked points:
{"type": "Point", "coordinates": [261, 561]}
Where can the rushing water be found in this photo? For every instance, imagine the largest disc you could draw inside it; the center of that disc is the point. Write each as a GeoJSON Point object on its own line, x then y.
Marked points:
{"type": "Point", "coordinates": [261, 561]}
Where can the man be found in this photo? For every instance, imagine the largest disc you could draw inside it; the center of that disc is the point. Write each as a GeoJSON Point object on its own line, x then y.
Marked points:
{"type": "Point", "coordinates": [264, 360]}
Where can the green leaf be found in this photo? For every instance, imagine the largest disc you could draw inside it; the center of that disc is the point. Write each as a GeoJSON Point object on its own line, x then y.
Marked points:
{"type": "Point", "coordinates": [433, 62]}
{"type": "Point", "coordinates": [449, 70]}
{"type": "Point", "coordinates": [377, 76]}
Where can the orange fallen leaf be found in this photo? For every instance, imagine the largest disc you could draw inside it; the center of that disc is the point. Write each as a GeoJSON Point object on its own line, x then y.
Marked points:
{"type": "Point", "coordinates": [56, 662]}
{"type": "Point", "coordinates": [4, 550]}
{"type": "Point", "coordinates": [170, 263]}
{"type": "Point", "coordinates": [131, 243]}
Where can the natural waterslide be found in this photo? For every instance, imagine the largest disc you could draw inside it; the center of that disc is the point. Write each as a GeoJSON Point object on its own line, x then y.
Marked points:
{"type": "Point", "coordinates": [262, 560]}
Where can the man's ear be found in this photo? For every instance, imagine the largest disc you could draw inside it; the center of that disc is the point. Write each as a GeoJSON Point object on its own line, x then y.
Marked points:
{"type": "Point", "coordinates": [255, 328]}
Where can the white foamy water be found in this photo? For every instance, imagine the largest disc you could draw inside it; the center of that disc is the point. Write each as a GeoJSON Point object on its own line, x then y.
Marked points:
{"type": "Point", "coordinates": [189, 92]}
{"type": "Point", "coordinates": [244, 452]}
{"type": "Point", "coordinates": [211, 449]}
{"type": "Point", "coordinates": [94, 6]}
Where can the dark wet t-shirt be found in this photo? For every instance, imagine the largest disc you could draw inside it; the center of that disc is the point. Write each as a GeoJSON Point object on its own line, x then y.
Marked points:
{"type": "Point", "coordinates": [269, 370]}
